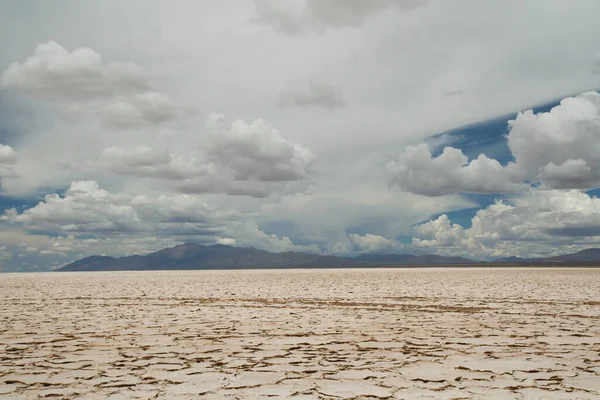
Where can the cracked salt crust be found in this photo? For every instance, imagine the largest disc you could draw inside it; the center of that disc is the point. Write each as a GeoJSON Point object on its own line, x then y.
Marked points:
{"type": "Point", "coordinates": [302, 334]}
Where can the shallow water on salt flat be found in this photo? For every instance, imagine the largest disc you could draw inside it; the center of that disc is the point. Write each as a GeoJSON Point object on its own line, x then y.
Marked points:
{"type": "Point", "coordinates": [303, 334]}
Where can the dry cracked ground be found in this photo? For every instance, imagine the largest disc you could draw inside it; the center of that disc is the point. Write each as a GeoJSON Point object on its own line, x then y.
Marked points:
{"type": "Point", "coordinates": [302, 334]}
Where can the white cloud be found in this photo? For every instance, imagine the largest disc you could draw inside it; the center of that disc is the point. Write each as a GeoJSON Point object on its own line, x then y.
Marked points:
{"type": "Point", "coordinates": [451, 172]}
{"type": "Point", "coordinates": [5, 254]}
{"type": "Point", "coordinates": [571, 173]}
{"type": "Point", "coordinates": [249, 234]}
{"type": "Point", "coordinates": [559, 149]}
{"type": "Point", "coordinates": [257, 151]}
{"type": "Point", "coordinates": [144, 109]}
{"type": "Point", "coordinates": [539, 223]}
{"type": "Point", "coordinates": [7, 155]}
{"type": "Point", "coordinates": [85, 87]}
{"type": "Point", "coordinates": [438, 233]}
{"type": "Point", "coordinates": [370, 243]}
{"type": "Point", "coordinates": [80, 74]}
{"type": "Point", "coordinates": [150, 162]}
{"type": "Point", "coordinates": [354, 201]}
{"type": "Point", "coordinates": [551, 147]}
{"type": "Point", "coordinates": [318, 94]}
{"type": "Point", "coordinates": [5, 258]}
{"type": "Point", "coordinates": [235, 157]}
{"type": "Point", "coordinates": [123, 222]}
{"type": "Point", "coordinates": [226, 241]}
{"type": "Point", "coordinates": [301, 16]}
{"type": "Point", "coordinates": [8, 158]}
{"type": "Point", "coordinates": [85, 208]}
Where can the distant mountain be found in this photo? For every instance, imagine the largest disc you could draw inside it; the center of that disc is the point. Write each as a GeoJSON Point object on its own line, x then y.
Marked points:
{"type": "Point", "coordinates": [408, 259]}
{"type": "Point", "coordinates": [587, 256]}
{"type": "Point", "coordinates": [510, 260]}
{"type": "Point", "coordinates": [584, 256]}
{"type": "Point", "coordinates": [196, 256]}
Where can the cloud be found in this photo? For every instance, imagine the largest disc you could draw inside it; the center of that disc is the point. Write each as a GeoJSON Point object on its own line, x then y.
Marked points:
{"type": "Point", "coordinates": [318, 94]}
{"type": "Point", "coordinates": [139, 110]}
{"type": "Point", "coordinates": [454, 93]}
{"type": "Point", "coordinates": [370, 243]}
{"type": "Point", "coordinates": [4, 254]}
{"type": "Point", "coordinates": [150, 162]}
{"type": "Point", "coordinates": [85, 87]}
{"type": "Point", "coordinates": [8, 158]}
{"type": "Point", "coordinates": [87, 209]}
{"type": "Point", "coordinates": [559, 149]}
{"type": "Point", "coordinates": [7, 155]}
{"type": "Point", "coordinates": [571, 173]}
{"type": "Point", "coordinates": [226, 241]}
{"type": "Point", "coordinates": [355, 200]}
{"type": "Point", "coordinates": [596, 64]}
{"type": "Point", "coordinates": [451, 172]}
{"type": "Point", "coordinates": [438, 233]}
{"type": "Point", "coordinates": [302, 16]}
{"type": "Point", "coordinates": [551, 147]}
{"type": "Point", "coordinates": [248, 233]}
{"type": "Point", "coordinates": [124, 224]}
{"type": "Point", "coordinates": [235, 157]}
{"type": "Point", "coordinates": [60, 249]}
{"type": "Point", "coordinates": [541, 222]}
{"type": "Point", "coordinates": [80, 74]}
{"type": "Point", "coordinates": [5, 257]}
{"type": "Point", "coordinates": [257, 151]}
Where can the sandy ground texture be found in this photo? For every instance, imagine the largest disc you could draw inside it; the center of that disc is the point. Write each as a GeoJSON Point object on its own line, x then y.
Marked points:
{"type": "Point", "coordinates": [302, 334]}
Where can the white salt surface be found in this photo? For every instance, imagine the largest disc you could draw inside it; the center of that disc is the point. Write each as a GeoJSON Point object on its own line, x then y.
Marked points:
{"type": "Point", "coordinates": [310, 334]}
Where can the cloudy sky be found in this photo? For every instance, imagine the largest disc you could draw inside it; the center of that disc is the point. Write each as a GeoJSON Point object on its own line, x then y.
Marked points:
{"type": "Point", "coordinates": [331, 126]}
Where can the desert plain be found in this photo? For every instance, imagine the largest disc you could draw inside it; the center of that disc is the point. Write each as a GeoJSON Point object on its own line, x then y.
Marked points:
{"type": "Point", "coordinates": [436, 333]}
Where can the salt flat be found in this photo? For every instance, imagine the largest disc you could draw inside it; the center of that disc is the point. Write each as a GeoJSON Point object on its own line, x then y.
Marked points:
{"type": "Point", "coordinates": [302, 334]}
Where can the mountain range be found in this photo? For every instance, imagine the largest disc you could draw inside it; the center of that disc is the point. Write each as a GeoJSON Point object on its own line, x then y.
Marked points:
{"type": "Point", "coordinates": [190, 256]}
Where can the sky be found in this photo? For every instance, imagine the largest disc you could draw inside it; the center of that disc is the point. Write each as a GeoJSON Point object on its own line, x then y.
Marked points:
{"type": "Point", "coordinates": [328, 126]}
